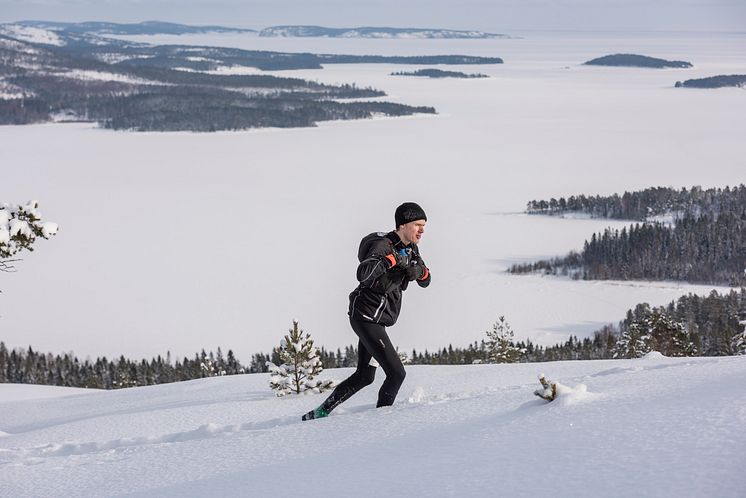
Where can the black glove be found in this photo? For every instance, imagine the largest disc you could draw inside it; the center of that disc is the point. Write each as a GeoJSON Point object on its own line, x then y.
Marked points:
{"type": "Point", "coordinates": [403, 258]}
{"type": "Point", "coordinates": [415, 271]}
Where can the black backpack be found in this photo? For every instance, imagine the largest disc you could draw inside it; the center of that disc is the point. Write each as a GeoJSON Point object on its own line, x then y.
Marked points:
{"type": "Point", "coordinates": [369, 240]}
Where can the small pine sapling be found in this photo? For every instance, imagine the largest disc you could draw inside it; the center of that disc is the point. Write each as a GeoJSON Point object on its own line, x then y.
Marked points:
{"type": "Point", "coordinates": [300, 365]}
{"type": "Point", "coordinates": [500, 348]}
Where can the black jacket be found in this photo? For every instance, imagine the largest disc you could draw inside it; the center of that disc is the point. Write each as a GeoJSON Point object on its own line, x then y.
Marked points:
{"type": "Point", "coordinates": [378, 297]}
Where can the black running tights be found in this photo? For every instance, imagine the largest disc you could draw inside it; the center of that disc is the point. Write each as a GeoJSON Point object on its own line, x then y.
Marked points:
{"type": "Point", "coordinates": [374, 343]}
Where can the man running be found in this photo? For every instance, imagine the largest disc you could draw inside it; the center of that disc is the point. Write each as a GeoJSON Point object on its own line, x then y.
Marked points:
{"type": "Point", "coordinates": [388, 262]}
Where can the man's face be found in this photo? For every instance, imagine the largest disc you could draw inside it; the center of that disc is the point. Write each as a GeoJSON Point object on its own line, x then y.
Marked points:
{"type": "Point", "coordinates": [412, 231]}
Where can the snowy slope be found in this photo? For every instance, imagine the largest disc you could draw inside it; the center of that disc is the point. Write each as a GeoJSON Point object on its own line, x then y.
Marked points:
{"type": "Point", "coordinates": [649, 427]}
{"type": "Point", "coordinates": [22, 392]}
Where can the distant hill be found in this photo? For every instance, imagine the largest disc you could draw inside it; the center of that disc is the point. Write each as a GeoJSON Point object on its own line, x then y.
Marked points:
{"type": "Point", "coordinates": [369, 32]}
{"type": "Point", "coordinates": [87, 44]}
{"type": "Point", "coordinates": [634, 60]}
{"type": "Point", "coordinates": [143, 28]}
{"type": "Point", "coordinates": [736, 80]}
{"type": "Point", "coordinates": [439, 73]}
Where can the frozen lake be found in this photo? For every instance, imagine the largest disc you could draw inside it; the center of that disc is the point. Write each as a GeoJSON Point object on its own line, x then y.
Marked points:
{"type": "Point", "coordinates": [179, 241]}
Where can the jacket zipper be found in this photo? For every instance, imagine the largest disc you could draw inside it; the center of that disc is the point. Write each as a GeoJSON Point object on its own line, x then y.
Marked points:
{"type": "Point", "coordinates": [381, 308]}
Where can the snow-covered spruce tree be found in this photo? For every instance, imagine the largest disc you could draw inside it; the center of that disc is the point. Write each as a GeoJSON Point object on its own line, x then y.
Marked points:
{"type": "Point", "coordinates": [500, 348]}
{"type": "Point", "coordinates": [20, 227]}
{"type": "Point", "coordinates": [209, 370]}
{"type": "Point", "coordinates": [668, 336]}
{"type": "Point", "coordinates": [300, 364]}
{"type": "Point", "coordinates": [738, 343]}
{"type": "Point", "coordinates": [633, 343]}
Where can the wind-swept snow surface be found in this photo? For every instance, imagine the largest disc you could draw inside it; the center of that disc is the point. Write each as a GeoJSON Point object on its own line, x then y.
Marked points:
{"type": "Point", "coordinates": [655, 426]}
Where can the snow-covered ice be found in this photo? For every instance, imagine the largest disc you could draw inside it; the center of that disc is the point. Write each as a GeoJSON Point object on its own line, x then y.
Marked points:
{"type": "Point", "coordinates": [656, 426]}
{"type": "Point", "coordinates": [179, 241]}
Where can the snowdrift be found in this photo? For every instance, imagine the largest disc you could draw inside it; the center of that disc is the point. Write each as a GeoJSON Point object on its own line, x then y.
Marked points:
{"type": "Point", "coordinates": [655, 426]}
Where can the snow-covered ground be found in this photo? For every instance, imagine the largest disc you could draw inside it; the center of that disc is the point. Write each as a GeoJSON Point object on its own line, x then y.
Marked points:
{"type": "Point", "coordinates": [654, 427]}
{"type": "Point", "coordinates": [177, 241]}
{"type": "Point", "coordinates": [22, 392]}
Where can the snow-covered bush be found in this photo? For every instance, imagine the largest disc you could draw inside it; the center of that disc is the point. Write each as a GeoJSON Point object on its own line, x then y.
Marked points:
{"type": "Point", "coordinates": [300, 364]}
{"type": "Point", "coordinates": [20, 226]}
{"type": "Point", "coordinates": [500, 348]}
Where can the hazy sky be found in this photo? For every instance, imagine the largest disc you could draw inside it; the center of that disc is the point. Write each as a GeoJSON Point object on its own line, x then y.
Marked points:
{"type": "Point", "coordinates": [488, 15]}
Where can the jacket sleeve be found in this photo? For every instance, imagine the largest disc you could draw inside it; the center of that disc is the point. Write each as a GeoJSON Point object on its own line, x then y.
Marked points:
{"type": "Point", "coordinates": [377, 262]}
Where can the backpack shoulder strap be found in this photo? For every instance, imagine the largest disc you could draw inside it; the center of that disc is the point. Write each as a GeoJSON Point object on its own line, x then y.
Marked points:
{"type": "Point", "coordinates": [368, 241]}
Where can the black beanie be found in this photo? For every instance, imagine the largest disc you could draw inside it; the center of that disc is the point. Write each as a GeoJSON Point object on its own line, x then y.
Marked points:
{"type": "Point", "coordinates": [407, 212]}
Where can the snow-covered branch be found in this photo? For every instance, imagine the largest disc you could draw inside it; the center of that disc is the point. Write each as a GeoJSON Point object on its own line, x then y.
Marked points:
{"type": "Point", "coordinates": [20, 226]}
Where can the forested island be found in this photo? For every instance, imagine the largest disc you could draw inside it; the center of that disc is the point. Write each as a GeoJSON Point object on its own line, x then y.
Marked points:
{"type": "Point", "coordinates": [439, 73]}
{"type": "Point", "coordinates": [635, 60]}
{"type": "Point", "coordinates": [731, 80]}
{"type": "Point", "coordinates": [70, 74]}
{"type": "Point", "coordinates": [700, 239]}
{"type": "Point", "coordinates": [140, 87]}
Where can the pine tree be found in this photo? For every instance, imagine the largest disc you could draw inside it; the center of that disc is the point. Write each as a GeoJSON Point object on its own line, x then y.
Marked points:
{"type": "Point", "coordinates": [500, 348]}
{"type": "Point", "coordinates": [300, 364]}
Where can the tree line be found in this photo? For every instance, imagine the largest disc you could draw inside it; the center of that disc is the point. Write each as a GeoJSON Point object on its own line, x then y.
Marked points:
{"type": "Point", "coordinates": [712, 325]}
{"type": "Point", "coordinates": [27, 366]}
{"type": "Point", "coordinates": [648, 203]}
